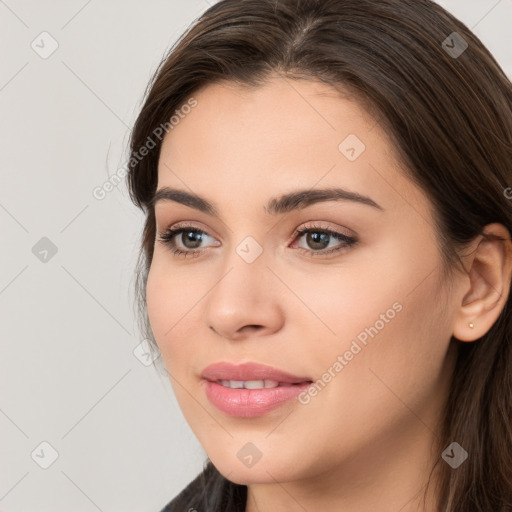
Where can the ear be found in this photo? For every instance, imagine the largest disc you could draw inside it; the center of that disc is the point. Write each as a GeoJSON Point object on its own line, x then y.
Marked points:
{"type": "Point", "coordinates": [486, 286]}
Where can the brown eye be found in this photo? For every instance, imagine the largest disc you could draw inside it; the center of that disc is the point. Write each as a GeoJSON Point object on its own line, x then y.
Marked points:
{"type": "Point", "coordinates": [318, 240]}
{"type": "Point", "coordinates": [188, 243]}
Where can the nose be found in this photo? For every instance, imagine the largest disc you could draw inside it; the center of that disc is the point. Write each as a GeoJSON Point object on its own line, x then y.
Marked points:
{"type": "Point", "coordinates": [244, 300]}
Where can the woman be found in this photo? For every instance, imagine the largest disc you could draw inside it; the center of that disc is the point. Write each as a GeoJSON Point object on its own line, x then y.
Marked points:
{"type": "Point", "coordinates": [326, 259]}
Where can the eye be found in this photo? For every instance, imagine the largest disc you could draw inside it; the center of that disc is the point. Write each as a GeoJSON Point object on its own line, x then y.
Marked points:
{"type": "Point", "coordinates": [190, 240]}
{"type": "Point", "coordinates": [318, 237]}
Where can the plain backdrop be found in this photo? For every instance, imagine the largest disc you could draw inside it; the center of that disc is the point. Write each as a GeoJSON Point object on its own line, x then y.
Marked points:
{"type": "Point", "coordinates": [85, 424]}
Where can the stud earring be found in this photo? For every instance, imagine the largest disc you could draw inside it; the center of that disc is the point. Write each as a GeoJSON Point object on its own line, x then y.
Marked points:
{"type": "Point", "coordinates": [471, 325]}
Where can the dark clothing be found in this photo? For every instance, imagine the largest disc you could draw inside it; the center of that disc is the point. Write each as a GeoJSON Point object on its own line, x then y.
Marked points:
{"type": "Point", "coordinates": [209, 492]}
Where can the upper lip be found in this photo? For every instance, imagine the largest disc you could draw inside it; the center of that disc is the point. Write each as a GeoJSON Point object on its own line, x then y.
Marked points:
{"type": "Point", "coordinates": [249, 371]}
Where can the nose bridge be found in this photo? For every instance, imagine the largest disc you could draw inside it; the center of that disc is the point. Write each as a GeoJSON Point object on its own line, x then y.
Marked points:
{"type": "Point", "coordinates": [242, 295]}
{"type": "Point", "coordinates": [243, 277]}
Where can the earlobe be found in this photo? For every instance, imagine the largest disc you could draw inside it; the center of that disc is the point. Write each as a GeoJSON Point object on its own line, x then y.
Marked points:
{"type": "Point", "coordinates": [487, 284]}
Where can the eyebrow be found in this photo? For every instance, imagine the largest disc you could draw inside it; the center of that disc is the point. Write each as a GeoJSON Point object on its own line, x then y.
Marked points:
{"type": "Point", "coordinates": [285, 203]}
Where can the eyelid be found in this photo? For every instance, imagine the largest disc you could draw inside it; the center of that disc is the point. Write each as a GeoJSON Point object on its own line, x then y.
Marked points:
{"type": "Point", "coordinates": [320, 226]}
{"type": "Point", "coordinates": [345, 241]}
{"type": "Point", "coordinates": [187, 224]}
{"type": "Point", "coordinates": [302, 227]}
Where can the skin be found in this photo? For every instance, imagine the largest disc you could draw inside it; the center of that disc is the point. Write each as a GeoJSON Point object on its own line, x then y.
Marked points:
{"type": "Point", "coordinates": [368, 439]}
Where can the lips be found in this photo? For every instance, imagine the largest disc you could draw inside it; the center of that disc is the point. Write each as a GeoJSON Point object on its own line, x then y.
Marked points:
{"type": "Point", "coordinates": [250, 372]}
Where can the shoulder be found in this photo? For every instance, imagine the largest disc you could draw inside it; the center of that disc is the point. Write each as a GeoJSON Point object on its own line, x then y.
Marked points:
{"type": "Point", "coordinates": [186, 496]}
{"type": "Point", "coordinates": [209, 492]}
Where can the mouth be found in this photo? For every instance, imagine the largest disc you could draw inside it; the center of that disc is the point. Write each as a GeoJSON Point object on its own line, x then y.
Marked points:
{"type": "Point", "coordinates": [248, 399]}
{"type": "Point", "coordinates": [257, 384]}
{"type": "Point", "coordinates": [250, 375]}
{"type": "Point", "coordinates": [250, 389]}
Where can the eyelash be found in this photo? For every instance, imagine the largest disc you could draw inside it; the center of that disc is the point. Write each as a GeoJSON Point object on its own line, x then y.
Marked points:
{"type": "Point", "coordinates": [167, 239]}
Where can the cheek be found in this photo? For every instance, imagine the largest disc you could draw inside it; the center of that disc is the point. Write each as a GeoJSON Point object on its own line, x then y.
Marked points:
{"type": "Point", "coordinates": [392, 329]}
{"type": "Point", "coordinates": [396, 358]}
{"type": "Point", "coordinates": [166, 306]}
{"type": "Point", "coordinates": [156, 302]}
{"type": "Point", "coordinates": [397, 376]}
{"type": "Point", "coordinates": [367, 290]}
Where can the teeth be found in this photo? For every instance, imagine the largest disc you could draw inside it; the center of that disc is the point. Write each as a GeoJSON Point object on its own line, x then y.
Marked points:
{"type": "Point", "coordinates": [249, 384]}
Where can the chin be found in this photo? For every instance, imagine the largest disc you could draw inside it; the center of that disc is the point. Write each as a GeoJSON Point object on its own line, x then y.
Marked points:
{"type": "Point", "coordinates": [263, 472]}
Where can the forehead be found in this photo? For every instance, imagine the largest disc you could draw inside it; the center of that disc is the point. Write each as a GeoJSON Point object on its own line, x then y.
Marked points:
{"type": "Point", "coordinates": [281, 111]}
{"type": "Point", "coordinates": [285, 134]}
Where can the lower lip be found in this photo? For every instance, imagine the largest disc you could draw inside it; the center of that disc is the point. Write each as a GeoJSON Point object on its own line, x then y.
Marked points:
{"type": "Point", "coordinates": [248, 403]}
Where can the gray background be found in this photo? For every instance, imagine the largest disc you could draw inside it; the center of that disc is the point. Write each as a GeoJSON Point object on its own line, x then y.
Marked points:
{"type": "Point", "coordinates": [69, 375]}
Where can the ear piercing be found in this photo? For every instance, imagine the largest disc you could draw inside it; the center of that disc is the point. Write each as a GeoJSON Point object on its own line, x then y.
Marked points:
{"type": "Point", "coordinates": [471, 325]}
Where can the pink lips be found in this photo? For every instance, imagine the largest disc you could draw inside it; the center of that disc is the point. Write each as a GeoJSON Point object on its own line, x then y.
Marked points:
{"type": "Point", "coordinates": [250, 402]}
{"type": "Point", "coordinates": [249, 371]}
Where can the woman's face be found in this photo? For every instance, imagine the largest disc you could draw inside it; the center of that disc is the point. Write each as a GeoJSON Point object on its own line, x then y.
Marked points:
{"type": "Point", "coordinates": [369, 322]}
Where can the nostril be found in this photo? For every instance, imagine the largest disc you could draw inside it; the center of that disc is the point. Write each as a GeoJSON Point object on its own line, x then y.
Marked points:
{"type": "Point", "coordinates": [251, 328]}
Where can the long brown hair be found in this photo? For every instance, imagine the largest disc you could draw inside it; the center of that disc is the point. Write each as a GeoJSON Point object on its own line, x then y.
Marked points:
{"type": "Point", "coordinates": [449, 115]}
